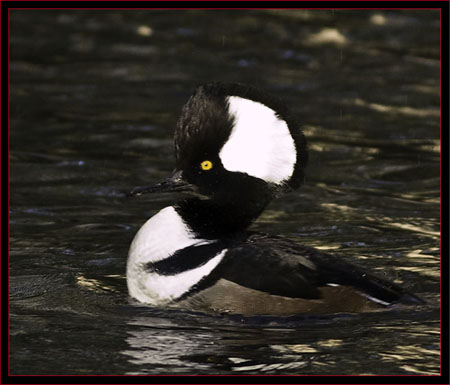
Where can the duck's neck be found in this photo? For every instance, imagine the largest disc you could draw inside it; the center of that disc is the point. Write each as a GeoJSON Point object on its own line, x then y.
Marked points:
{"type": "Point", "coordinates": [211, 219]}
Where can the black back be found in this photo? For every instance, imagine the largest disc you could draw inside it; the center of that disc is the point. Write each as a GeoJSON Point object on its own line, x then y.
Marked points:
{"type": "Point", "coordinates": [279, 266]}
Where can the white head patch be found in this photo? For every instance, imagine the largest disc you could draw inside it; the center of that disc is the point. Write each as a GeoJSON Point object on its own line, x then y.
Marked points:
{"type": "Point", "coordinates": [260, 143]}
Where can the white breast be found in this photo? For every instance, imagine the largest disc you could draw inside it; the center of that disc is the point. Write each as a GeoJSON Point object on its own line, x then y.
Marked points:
{"type": "Point", "coordinates": [260, 143]}
{"type": "Point", "coordinates": [159, 238]}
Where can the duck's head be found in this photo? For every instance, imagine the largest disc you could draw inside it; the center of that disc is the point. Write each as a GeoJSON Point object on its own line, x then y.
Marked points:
{"type": "Point", "coordinates": [235, 147]}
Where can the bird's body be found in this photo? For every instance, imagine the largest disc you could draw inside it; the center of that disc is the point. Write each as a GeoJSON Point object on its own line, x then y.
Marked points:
{"type": "Point", "coordinates": [237, 148]}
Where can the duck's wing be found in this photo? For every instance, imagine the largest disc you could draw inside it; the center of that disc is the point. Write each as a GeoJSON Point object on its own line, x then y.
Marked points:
{"type": "Point", "coordinates": [282, 267]}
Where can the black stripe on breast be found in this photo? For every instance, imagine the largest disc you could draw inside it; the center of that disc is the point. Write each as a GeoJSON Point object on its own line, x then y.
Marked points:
{"type": "Point", "coordinates": [186, 259]}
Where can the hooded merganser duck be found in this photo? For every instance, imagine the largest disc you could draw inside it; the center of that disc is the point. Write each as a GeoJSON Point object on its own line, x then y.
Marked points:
{"type": "Point", "coordinates": [236, 149]}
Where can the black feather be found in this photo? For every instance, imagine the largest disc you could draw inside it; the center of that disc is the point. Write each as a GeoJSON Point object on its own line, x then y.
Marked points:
{"type": "Point", "coordinates": [279, 266]}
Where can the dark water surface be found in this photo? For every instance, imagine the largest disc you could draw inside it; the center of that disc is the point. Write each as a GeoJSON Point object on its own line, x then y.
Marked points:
{"type": "Point", "coordinates": [94, 100]}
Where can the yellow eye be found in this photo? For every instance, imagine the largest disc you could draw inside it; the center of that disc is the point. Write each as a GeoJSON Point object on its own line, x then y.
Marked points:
{"type": "Point", "coordinates": [206, 165]}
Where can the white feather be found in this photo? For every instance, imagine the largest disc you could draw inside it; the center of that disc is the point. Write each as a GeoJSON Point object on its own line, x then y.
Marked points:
{"type": "Point", "coordinates": [376, 300]}
{"type": "Point", "coordinates": [159, 289]}
{"type": "Point", "coordinates": [260, 143]}
{"type": "Point", "coordinates": [159, 238]}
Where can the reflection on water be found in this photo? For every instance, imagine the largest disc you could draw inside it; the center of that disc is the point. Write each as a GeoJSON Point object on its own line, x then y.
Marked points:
{"type": "Point", "coordinates": [294, 346]}
{"type": "Point", "coordinates": [94, 99]}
